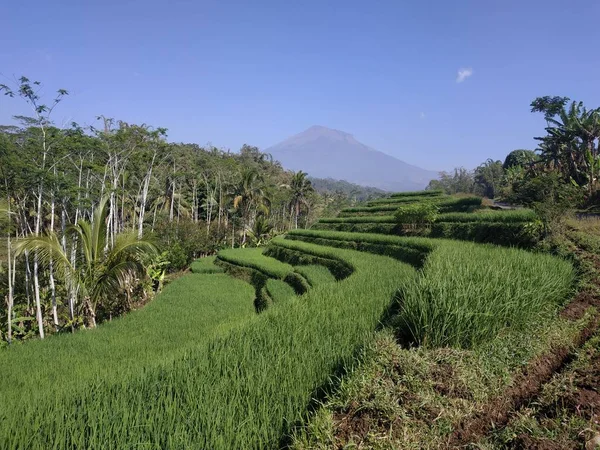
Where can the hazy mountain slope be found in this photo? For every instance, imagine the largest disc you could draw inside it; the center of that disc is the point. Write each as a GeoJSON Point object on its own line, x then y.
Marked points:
{"type": "Point", "coordinates": [327, 153]}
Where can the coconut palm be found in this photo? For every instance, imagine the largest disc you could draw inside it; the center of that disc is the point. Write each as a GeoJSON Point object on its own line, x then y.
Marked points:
{"type": "Point", "coordinates": [300, 187]}
{"type": "Point", "coordinates": [260, 231]}
{"type": "Point", "coordinates": [249, 197]}
{"type": "Point", "coordinates": [100, 272]}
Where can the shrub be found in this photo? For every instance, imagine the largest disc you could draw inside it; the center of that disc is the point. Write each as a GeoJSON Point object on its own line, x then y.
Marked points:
{"type": "Point", "coordinates": [417, 215]}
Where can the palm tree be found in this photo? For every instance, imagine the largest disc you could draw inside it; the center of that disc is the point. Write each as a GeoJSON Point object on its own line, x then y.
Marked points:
{"type": "Point", "coordinates": [100, 272]}
{"type": "Point", "coordinates": [301, 187]}
{"type": "Point", "coordinates": [249, 198]}
{"type": "Point", "coordinates": [261, 231]}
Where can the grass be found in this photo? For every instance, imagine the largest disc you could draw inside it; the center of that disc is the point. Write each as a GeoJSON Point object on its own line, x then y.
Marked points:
{"type": "Point", "coordinates": [513, 216]}
{"type": "Point", "coordinates": [206, 265]}
{"type": "Point", "coordinates": [368, 219]}
{"type": "Point", "coordinates": [412, 398]}
{"type": "Point", "coordinates": [315, 274]}
{"type": "Point", "coordinates": [419, 194]}
{"type": "Point", "coordinates": [278, 290]}
{"type": "Point", "coordinates": [382, 228]}
{"type": "Point", "coordinates": [445, 204]}
{"type": "Point", "coordinates": [245, 389]}
{"type": "Point", "coordinates": [253, 258]}
{"type": "Point", "coordinates": [187, 312]}
{"type": "Point", "coordinates": [465, 304]}
{"type": "Point", "coordinates": [559, 416]}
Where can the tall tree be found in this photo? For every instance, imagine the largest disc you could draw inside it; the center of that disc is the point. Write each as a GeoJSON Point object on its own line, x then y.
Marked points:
{"type": "Point", "coordinates": [28, 91]}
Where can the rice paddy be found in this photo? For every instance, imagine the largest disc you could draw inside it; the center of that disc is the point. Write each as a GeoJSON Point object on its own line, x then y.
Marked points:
{"type": "Point", "coordinates": [236, 359]}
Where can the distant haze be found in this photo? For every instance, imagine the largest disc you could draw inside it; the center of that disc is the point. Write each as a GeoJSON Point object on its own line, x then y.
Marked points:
{"type": "Point", "coordinates": [326, 153]}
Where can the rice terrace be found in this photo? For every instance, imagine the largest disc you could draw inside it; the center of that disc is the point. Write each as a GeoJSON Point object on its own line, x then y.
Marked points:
{"type": "Point", "coordinates": [309, 292]}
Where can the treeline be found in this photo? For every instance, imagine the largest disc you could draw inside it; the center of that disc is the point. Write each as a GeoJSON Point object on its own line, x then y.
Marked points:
{"type": "Point", "coordinates": [562, 173]}
{"type": "Point", "coordinates": [93, 218]}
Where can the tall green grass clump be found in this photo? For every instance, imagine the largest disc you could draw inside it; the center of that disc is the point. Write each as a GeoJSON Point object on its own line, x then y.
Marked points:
{"type": "Point", "coordinates": [467, 293]}
{"type": "Point", "coordinates": [253, 258]}
{"type": "Point", "coordinates": [278, 290]}
{"type": "Point", "coordinates": [315, 274]}
{"type": "Point", "coordinates": [205, 265]}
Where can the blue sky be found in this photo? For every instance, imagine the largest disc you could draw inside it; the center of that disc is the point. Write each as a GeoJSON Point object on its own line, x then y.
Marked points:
{"type": "Point", "coordinates": [234, 72]}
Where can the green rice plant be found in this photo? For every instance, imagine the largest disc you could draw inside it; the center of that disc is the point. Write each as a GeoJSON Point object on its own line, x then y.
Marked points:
{"type": "Point", "coordinates": [410, 250]}
{"type": "Point", "coordinates": [374, 219]}
{"type": "Point", "coordinates": [245, 389]}
{"type": "Point", "coordinates": [511, 216]}
{"type": "Point", "coordinates": [517, 234]}
{"type": "Point", "coordinates": [445, 204]}
{"type": "Point", "coordinates": [205, 265]}
{"type": "Point", "coordinates": [251, 265]}
{"type": "Point", "coordinates": [315, 274]}
{"type": "Point", "coordinates": [400, 200]}
{"type": "Point", "coordinates": [383, 228]}
{"type": "Point", "coordinates": [253, 258]}
{"type": "Point", "coordinates": [278, 290]}
{"type": "Point", "coordinates": [467, 293]}
{"type": "Point", "coordinates": [423, 194]}
{"type": "Point", "coordinates": [188, 311]}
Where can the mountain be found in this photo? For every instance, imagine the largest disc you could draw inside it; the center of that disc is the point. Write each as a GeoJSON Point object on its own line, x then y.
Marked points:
{"type": "Point", "coordinates": [326, 153]}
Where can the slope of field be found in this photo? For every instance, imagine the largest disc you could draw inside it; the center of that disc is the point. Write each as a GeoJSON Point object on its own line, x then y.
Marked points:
{"type": "Point", "coordinates": [243, 390]}
{"type": "Point", "coordinates": [190, 310]}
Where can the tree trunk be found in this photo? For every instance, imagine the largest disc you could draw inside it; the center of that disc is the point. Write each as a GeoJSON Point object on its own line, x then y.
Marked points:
{"type": "Point", "coordinates": [36, 278]}
{"type": "Point", "coordinates": [144, 198]}
{"type": "Point", "coordinates": [52, 283]}
{"type": "Point", "coordinates": [10, 298]}
{"type": "Point", "coordinates": [90, 312]}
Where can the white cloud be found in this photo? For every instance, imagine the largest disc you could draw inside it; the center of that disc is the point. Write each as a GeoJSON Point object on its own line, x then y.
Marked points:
{"type": "Point", "coordinates": [463, 74]}
{"type": "Point", "coordinates": [422, 115]}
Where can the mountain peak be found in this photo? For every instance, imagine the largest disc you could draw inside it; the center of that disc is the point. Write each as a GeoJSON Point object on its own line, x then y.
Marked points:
{"type": "Point", "coordinates": [319, 133]}
{"type": "Point", "coordinates": [324, 152]}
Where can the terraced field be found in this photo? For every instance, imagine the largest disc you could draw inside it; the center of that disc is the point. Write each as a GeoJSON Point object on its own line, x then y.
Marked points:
{"type": "Point", "coordinates": [367, 325]}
